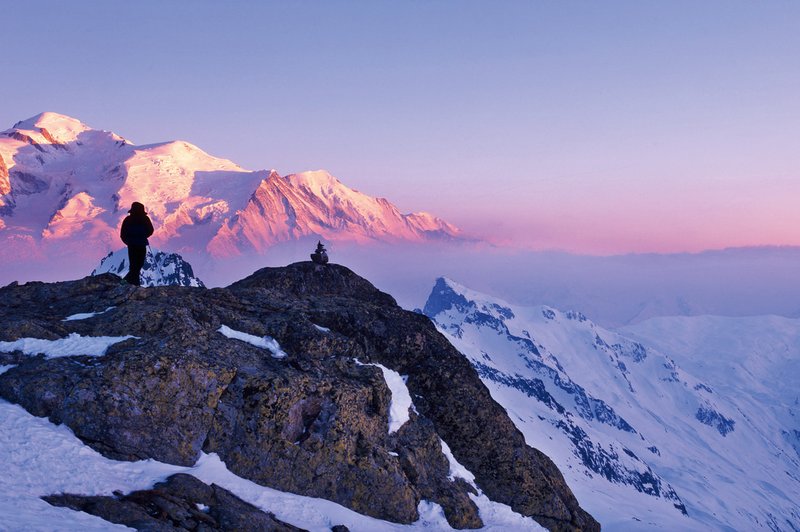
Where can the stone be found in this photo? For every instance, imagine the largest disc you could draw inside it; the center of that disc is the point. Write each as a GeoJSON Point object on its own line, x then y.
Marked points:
{"type": "Point", "coordinates": [320, 256]}
{"type": "Point", "coordinates": [182, 502]}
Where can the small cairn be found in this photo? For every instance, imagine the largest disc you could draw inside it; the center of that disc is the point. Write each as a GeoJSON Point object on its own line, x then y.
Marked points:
{"type": "Point", "coordinates": [320, 256]}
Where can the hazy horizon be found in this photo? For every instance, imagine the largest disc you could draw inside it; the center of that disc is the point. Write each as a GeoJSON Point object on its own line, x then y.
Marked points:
{"type": "Point", "coordinates": [611, 290]}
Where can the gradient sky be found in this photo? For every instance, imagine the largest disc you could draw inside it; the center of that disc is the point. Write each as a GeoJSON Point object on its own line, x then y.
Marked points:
{"type": "Point", "coordinates": [596, 127]}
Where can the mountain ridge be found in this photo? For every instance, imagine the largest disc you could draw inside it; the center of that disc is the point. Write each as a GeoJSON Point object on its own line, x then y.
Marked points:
{"type": "Point", "coordinates": [64, 188]}
{"type": "Point", "coordinates": [674, 423]}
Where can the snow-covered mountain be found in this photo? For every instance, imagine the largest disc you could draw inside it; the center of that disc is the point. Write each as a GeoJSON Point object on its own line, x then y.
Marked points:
{"type": "Point", "coordinates": [65, 187]}
{"type": "Point", "coordinates": [651, 431]}
{"type": "Point", "coordinates": [160, 268]}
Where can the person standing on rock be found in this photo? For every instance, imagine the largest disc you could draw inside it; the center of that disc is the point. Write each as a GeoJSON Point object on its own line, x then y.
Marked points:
{"type": "Point", "coordinates": [136, 227]}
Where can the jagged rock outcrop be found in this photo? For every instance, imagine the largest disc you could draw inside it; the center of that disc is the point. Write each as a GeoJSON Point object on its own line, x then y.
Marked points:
{"type": "Point", "coordinates": [160, 268]}
{"type": "Point", "coordinates": [314, 422]}
{"type": "Point", "coordinates": [181, 502]}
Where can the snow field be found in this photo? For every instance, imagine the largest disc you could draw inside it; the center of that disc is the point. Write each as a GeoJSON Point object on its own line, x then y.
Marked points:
{"type": "Point", "coordinates": [40, 458]}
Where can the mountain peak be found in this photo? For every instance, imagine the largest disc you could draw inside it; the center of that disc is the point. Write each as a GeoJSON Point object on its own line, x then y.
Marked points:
{"type": "Point", "coordinates": [63, 127]}
{"type": "Point", "coordinates": [316, 181]}
{"type": "Point", "coordinates": [160, 268]}
{"type": "Point", "coordinates": [451, 284]}
{"type": "Point", "coordinates": [445, 295]}
{"type": "Point", "coordinates": [44, 118]}
{"type": "Point", "coordinates": [445, 284]}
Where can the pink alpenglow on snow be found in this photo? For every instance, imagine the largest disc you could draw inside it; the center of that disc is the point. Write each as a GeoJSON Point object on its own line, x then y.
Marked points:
{"type": "Point", "coordinates": [318, 204]}
{"type": "Point", "coordinates": [65, 188]}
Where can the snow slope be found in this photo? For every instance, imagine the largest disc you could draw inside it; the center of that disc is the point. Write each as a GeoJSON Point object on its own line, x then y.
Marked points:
{"type": "Point", "coordinates": [65, 188]}
{"type": "Point", "coordinates": [753, 362]}
{"type": "Point", "coordinates": [642, 435]}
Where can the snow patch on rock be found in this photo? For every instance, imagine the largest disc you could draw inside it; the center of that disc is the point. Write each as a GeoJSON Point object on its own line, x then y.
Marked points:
{"type": "Point", "coordinates": [456, 469]}
{"type": "Point", "coordinates": [72, 345]}
{"type": "Point", "coordinates": [264, 342]}
{"type": "Point", "coordinates": [86, 315]}
{"type": "Point", "coordinates": [401, 401]}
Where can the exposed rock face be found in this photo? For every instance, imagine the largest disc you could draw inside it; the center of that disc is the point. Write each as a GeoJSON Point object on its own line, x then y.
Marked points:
{"type": "Point", "coordinates": [314, 423]}
{"type": "Point", "coordinates": [305, 431]}
{"type": "Point", "coordinates": [5, 184]}
{"type": "Point", "coordinates": [444, 386]}
{"type": "Point", "coordinates": [26, 184]}
{"type": "Point", "coordinates": [180, 503]}
{"type": "Point", "coordinates": [52, 140]}
{"type": "Point", "coordinates": [22, 137]}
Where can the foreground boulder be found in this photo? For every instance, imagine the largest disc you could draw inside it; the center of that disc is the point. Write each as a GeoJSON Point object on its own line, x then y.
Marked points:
{"type": "Point", "coordinates": [180, 503]}
{"type": "Point", "coordinates": [303, 408]}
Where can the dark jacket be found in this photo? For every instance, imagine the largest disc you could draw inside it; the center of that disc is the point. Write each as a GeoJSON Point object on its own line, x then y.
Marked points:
{"type": "Point", "coordinates": [135, 229]}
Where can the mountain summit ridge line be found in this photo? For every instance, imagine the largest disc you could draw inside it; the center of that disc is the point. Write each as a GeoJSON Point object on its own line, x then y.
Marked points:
{"type": "Point", "coordinates": [65, 186]}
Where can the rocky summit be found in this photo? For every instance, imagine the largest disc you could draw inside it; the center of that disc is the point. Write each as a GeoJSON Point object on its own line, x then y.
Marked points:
{"type": "Point", "coordinates": [280, 375]}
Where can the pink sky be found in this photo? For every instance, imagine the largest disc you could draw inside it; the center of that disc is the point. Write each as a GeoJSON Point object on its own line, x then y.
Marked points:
{"type": "Point", "coordinates": [659, 218]}
{"type": "Point", "coordinates": [596, 128]}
